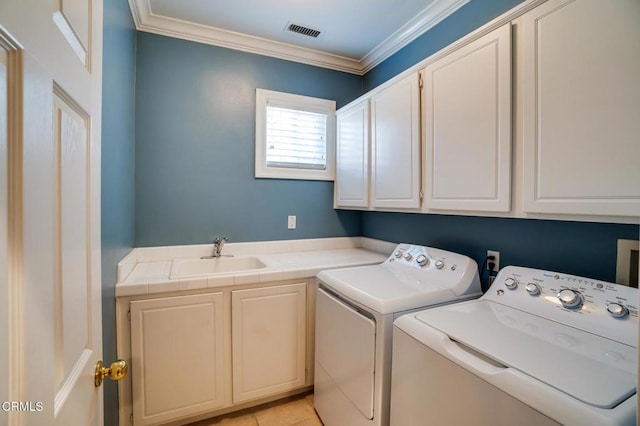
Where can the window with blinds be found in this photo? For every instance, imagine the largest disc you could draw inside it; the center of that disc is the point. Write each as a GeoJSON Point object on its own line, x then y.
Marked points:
{"type": "Point", "coordinates": [294, 136]}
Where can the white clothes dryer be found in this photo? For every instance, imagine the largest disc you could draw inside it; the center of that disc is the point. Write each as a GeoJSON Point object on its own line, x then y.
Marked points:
{"type": "Point", "coordinates": [355, 310]}
{"type": "Point", "coordinates": [539, 348]}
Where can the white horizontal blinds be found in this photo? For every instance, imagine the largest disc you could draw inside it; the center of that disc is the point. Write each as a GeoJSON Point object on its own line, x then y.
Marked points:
{"type": "Point", "coordinates": [296, 138]}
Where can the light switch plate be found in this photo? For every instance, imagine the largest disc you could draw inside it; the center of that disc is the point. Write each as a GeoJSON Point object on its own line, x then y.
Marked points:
{"type": "Point", "coordinates": [291, 222]}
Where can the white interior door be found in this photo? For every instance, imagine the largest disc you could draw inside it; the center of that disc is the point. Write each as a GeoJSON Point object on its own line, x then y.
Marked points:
{"type": "Point", "coordinates": [50, 56]}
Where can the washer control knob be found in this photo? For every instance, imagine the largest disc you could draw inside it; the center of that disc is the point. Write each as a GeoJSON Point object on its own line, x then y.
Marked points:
{"type": "Point", "coordinates": [533, 289]}
{"type": "Point", "coordinates": [570, 299]}
{"type": "Point", "coordinates": [398, 254]}
{"type": "Point", "coordinates": [439, 264]}
{"type": "Point", "coordinates": [511, 284]}
{"type": "Point", "coordinates": [422, 260]}
{"type": "Point", "coordinates": [407, 256]}
{"type": "Point", "coordinates": [617, 310]}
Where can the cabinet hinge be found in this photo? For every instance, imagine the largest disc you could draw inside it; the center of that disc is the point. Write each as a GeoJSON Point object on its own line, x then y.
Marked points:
{"type": "Point", "coordinates": [306, 375]}
{"type": "Point", "coordinates": [129, 318]}
{"type": "Point", "coordinates": [131, 419]}
{"type": "Point", "coordinates": [420, 82]}
{"type": "Point", "coordinates": [421, 195]}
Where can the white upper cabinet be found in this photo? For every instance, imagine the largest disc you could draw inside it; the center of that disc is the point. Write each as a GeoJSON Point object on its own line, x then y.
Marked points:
{"type": "Point", "coordinates": [467, 113]}
{"type": "Point", "coordinates": [581, 90]}
{"type": "Point", "coordinates": [395, 145]}
{"type": "Point", "coordinates": [352, 159]}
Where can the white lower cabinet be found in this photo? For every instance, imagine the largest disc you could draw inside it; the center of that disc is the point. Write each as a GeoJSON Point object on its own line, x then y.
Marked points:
{"type": "Point", "coordinates": [268, 335]}
{"type": "Point", "coordinates": [204, 354]}
{"type": "Point", "coordinates": [177, 357]}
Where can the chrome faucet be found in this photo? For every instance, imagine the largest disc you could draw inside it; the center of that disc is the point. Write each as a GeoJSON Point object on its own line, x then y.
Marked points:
{"type": "Point", "coordinates": [217, 246]}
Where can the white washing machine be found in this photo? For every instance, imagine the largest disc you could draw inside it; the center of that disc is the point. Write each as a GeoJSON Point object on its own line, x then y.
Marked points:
{"type": "Point", "coordinates": [355, 310]}
{"type": "Point", "coordinates": [539, 348]}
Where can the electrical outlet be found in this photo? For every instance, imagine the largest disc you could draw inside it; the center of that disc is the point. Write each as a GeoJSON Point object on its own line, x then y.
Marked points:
{"type": "Point", "coordinates": [496, 261]}
{"type": "Point", "coordinates": [291, 222]}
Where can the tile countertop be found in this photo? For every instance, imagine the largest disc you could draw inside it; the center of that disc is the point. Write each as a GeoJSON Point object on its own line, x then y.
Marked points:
{"type": "Point", "coordinates": [148, 270]}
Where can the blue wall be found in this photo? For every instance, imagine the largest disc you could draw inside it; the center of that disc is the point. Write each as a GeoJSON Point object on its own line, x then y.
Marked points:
{"type": "Point", "coordinates": [195, 144]}
{"type": "Point", "coordinates": [587, 249]}
{"type": "Point", "coordinates": [119, 50]}
{"type": "Point", "coordinates": [579, 248]}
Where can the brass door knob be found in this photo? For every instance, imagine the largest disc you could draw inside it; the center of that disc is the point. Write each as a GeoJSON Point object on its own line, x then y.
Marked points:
{"type": "Point", "coordinates": [116, 371]}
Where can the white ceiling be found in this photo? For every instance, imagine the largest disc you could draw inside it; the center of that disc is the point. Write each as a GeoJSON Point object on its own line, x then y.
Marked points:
{"type": "Point", "coordinates": [356, 35]}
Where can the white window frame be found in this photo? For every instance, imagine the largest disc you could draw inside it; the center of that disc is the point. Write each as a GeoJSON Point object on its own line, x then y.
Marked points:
{"type": "Point", "coordinates": [296, 102]}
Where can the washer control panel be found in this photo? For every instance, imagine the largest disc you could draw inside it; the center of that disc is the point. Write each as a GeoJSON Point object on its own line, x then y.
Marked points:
{"type": "Point", "coordinates": [603, 308]}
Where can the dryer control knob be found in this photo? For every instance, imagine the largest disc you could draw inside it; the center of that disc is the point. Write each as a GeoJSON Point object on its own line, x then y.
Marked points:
{"type": "Point", "coordinates": [533, 289]}
{"type": "Point", "coordinates": [408, 256]}
{"type": "Point", "coordinates": [422, 260]}
{"type": "Point", "coordinates": [439, 264]}
{"type": "Point", "coordinates": [398, 254]}
{"type": "Point", "coordinates": [617, 310]}
{"type": "Point", "coordinates": [511, 284]}
{"type": "Point", "coordinates": [570, 299]}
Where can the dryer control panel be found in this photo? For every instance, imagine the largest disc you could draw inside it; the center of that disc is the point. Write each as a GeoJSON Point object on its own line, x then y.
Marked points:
{"type": "Point", "coordinates": [606, 309]}
{"type": "Point", "coordinates": [434, 267]}
{"type": "Point", "coordinates": [422, 257]}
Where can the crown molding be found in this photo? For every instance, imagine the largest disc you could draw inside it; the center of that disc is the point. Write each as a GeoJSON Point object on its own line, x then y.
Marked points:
{"type": "Point", "coordinates": [145, 20]}
{"type": "Point", "coordinates": [423, 22]}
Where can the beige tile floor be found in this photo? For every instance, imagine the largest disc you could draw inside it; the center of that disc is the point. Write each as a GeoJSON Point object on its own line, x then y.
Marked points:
{"type": "Point", "coordinates": [293, 411]}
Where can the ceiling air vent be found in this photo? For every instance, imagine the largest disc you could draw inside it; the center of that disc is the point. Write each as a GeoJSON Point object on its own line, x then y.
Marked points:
{"type": "Point", "coordinates": [310, 32]}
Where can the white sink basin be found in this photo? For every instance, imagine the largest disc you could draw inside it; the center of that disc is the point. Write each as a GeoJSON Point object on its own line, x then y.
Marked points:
{"type": "Point", "coordinates": [218, 265]}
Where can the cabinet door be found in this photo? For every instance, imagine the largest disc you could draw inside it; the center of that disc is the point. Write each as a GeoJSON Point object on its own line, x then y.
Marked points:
{"type": "Point", "coordinates": [395, 145]}
{"type": "Point", "coordinates": [177, 357]}
{"type": "Point", "coordinates": [268, 339]}
{"type": "Point", "coordinates": [352, 161]}
{"type": "Point", "coordinates": [468, 126]}
{"type": "Point", "coordinates": [581, 90]}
